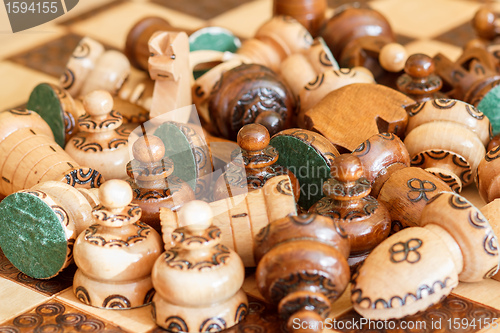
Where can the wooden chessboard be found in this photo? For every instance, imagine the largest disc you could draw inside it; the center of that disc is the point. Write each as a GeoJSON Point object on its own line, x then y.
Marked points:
{"type": "Point", "coordinates": [39, 55]}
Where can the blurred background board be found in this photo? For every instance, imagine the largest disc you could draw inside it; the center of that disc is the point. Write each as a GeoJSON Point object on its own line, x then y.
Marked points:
{"type": "Point", "coordinates": [39, 55]}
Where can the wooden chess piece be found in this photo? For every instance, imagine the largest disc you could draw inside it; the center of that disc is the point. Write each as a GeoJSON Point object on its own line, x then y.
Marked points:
{"type": "Point", "coordinates": [250, 94]}
{"type": "Point", "coordinates": [491, 213]}
{"type": "Point", "coordinates": [486, 24]}
{"type": "Point", "coordinates": [454, 243]}
{"type": "Point", "coordinates": [348, 201]}
{"type": "Point", "coordinates": [309, 156]}
{"type": "Point", "coordinates": [241, 217]}
{"type": "Point", "coordinates": [31, 156]}
{"type": "Point", "coordinates": [381, 155]}
{"type": "Point", "coordinates": [448, 139]}
{"type": "Point", "coordinates": [487, 179]}
{"type": "Point", "coordinates": [169, 68]}
{"type": "Point", "coordinates": [362, 36]}
{"type": "Point", "coordinates": [152, 181]}
{"type": "Point", "coordinates": [40, 226]}
{"type": "Point", "coordinates": [373, 108]}
{"type": "Point", "coordinates": [494, 142]}
{"type": "Point", "coordinates": [198, 281]}
{"type": "Point", "coordinates": [474, 79]}
{"type": "Point", "coordinates": [309, 13]}
{"type": "Point", "coordinates": [99, 142]}
{"type": "Point", "coordinates": [254, 167]}
{"type": "Point", "coordinates": [115, 255]}
{"type": "Point", "coordinates": [419, 81]}
{"type": "Point", "coordinates": [302, 266]}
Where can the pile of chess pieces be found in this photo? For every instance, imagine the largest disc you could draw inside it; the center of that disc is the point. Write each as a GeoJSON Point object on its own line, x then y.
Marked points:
{"type": "Point", "coordinates": [318, 152]}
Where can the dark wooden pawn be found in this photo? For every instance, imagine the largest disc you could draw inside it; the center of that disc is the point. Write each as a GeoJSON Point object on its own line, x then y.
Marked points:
{"type": "Point", "coordinates": [252, 165]}
{"type": "Point", "coordinates": [152, 181]}
{"type": "Point", "coordinates": [419, 81]}
{"type": "Point", "coordinates": [347, 202]}
{"type": "Point", "coordinates": [310, 13]}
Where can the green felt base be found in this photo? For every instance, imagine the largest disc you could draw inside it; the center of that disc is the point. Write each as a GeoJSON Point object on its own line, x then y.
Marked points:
{"type": "Point", "coordinates": [32, 236]}
{"type": "Point", "coordinates": [306, 163]}
{"type": "Point", "coordinates": [178, 149]}
{"type": "Point", "coordinates": [490, 106]}
{"type": "Point", "coordinates": [45, 101]}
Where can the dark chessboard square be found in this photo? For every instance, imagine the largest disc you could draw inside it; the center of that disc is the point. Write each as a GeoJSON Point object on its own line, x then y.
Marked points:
{"type": "Point", "coordinates": [458, 36]}
{"type": "Point", "coordinates": [203, 9]}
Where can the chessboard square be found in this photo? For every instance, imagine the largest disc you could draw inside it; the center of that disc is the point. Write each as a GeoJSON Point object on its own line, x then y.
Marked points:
{"type": "Point", "coordinates": [16, 299]}
{"type": "Point", "coordinates": [86, 9]}
{"type": "Point", "coordinates": [134, 320]}
{"type": "Point", "coordinates": [459, 35]}
{"type": "Point", "coordinates": [112, 28]}
{"type": "Point", "coordinates": [434, 16]}
{"type": "Point", "coordinates": [19, 83]}
{"type": "Point", "coordinates": [204, 9]}
{"type": "Point", "coordinates": [51, 57]}
{"type": "Point", "coordinates": [246, 19]}
{"type": "Point", "coordinates": [56, 316]}
{"type": "Point", "coordinates": [24, 41]}
{"type": "Point", "coordinates": [432, 47]}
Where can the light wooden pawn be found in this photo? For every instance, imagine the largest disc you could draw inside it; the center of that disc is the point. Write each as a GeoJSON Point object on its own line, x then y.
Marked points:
{"type": "Point", "coordinates": [448, 139]}
{"type": "Point", "coordinates": [115, 255]}
{"type": "Point", "coordinates": [418, 267]}
{"type": "Point", "coordinates": [198, 281]}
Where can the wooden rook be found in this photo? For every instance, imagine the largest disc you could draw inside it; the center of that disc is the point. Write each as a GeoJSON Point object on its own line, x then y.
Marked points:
{"type": "Point", "coordinates": [30, 155]}
{"type": "Point", "coordinates": [373, 108]}
{"type": "Point", "coordinates": [115, 255]}
{"type": "Point", "coordinates": [474, 79]}
{"type": "Point", "coordinates": [302, 267]}
{"type": "Point", "coordinates": [152, 181]}
{"type": "Point", "coordinates": [310, 13]}
{"type": "Point", "coordinates": [454, 242]}
{"type": "Point", "coordinates": [253, 164]}
{"type": "Point", "coordinates": [169, 68]}
{"type": "Point", "coordinates": [242, 217]}
{"type": "Point", "coordinates": [348, 202]}
{"type": "Point", "coordinates": [40, 226]}
{"type": "Point", "coordinates": [100, 142]}
{"type": "Point", "coordinates": [419, 81]}
{"type": "Point", "coordinates": [198, 281]}
{"type": "Point", "coordinates": [362, 36]}
{"type": "Point", "coordinates": [448, 139]}
{"type": "Point", "coordinates": [309, 155]}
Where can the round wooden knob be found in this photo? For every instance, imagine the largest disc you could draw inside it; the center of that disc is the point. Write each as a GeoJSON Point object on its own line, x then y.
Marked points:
{"type": "Point", "coordinates": [347, 168]}
{"type": "Point", "coordinates": [484, 23]}
{"type": "Point", "coordinates": [115, 194]}
{"type": "Point", "coordinates": [195, 215]}
{"type": "Point", "coordinates": [98, 103]}
{"type": "Point", "coordinates": [392, 57]}
{"type": "Point", "coordinates": [253, 137]}
{"type": "Point", "coordinates": [419, 65]}
{"type": "Point", "coordinates": [148, 149]}
{"type": "Point", "coordinates": [271, 120]}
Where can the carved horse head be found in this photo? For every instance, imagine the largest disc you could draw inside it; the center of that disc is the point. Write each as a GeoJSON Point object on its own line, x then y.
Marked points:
{"type": "Point", "coordinates": [169, 54]}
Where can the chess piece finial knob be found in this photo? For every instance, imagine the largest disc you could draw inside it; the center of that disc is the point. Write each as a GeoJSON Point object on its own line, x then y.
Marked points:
{"type": "Point", "coordinates": [392, 57]}
{"type": "Point", "coordinates": [148, 149]}
{"type": "Point", "coordinates": [419, 81]}
{"type": "Point", "coordinates": [486, 24]}
{"type": "Point", "coordinates": [253, 137]}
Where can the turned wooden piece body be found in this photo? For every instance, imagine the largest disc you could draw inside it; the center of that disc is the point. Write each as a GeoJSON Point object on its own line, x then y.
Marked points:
{"type": "Point", "coordinates": [373, 108]}
{"type": "Point", "coordinates": [309, 13]}
{"type": "Point", "coordinates": [48, 213]}
{"type": "Point", "coordinates": [115, 255]}
{"type": "Point", "coordinates": [252, 165]}
{"type": "Point", "coordinates": [448, 139]}
{"type": "Point", "coordinates": [250, 94]}
{"type": "Point", "coordinates": [101, 143]}
{"type": "Point", "coordinates": [302, 266]}
{"type": "Point", "coordinates": [169, 68]}
{"type": "Point", "coordinates": [30, 155]}
{"type": "Point", "coordinates": [419, 81]}
{"type": "Point", "coordinates": [152, 181]}
{"type": "Point", "coordinates": [487, 179]}
{"type": "Point", "coordinates": [198, 281]}
{"type": "Point", "coordinates": [241, 217]}
{"type": "Point", "coordinates": [348, 202]}
{"type": "Point", "coordinates": [454, 243]}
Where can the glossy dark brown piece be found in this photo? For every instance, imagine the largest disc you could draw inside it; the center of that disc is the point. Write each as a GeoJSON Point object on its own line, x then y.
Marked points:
{"type": "Point", "coordinates": [302, 265]}
{"type": "Point", "coordinates": [419, 81]}
{"type": "Point", "coordinates": [310, 13]}
{"type": "Point", "coordinates": [348, 203]}
{"type": "Point", "coordinates": [245, 92]}
{"type": "Point", "coordinates": [252, 165]}
{"type": "Point", "coordinates": [485, 24]}
{"type": "Point", "coordinates": [152, 181]}
{"type": "Point", "coordinates": [494, 142]}
{"type": "Point", "coordinates": [381, 155]}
